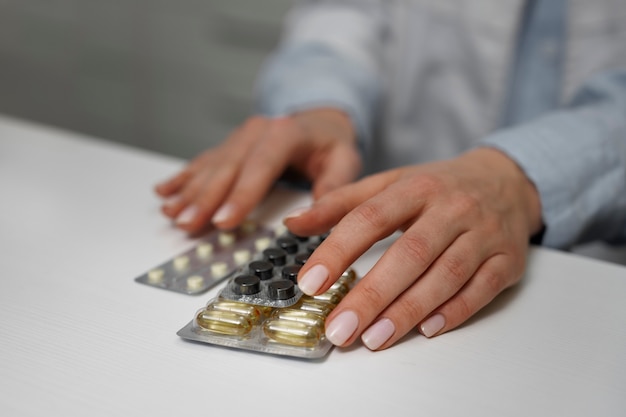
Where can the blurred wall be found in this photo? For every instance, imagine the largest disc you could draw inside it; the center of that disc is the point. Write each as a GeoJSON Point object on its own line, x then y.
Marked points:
{"type": "Point", "coordinates": [171, 76]}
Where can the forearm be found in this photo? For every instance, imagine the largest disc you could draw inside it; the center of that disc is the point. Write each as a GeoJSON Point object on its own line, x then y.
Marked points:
{"type": "Point", "coordinates": [576, 157]}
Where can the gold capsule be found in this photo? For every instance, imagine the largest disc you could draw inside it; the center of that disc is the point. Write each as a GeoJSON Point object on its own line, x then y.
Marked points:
{"type": "Point", "coordinates": [223, 322]}
{"type": "Point", "coordinates": [294, 333]}
{"type": "Point", "coordinates": [316, 306]}
{"type": "Point", "coordinates": [330, 297]}
{"type": "Point", "coordinates": [251, 312]}
{"type": "Point", "coordinates": [308, 317]}
{"type": "Point", "coordinates": [348, 277]}
{"type": "Point", "coordinates": [340, 287]}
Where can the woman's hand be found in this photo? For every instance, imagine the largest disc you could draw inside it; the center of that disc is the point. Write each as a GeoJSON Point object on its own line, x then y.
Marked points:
{"type": "Point", "coordinates": [224, 184]}
{"type": "Point", "coordinates": [466, 223]}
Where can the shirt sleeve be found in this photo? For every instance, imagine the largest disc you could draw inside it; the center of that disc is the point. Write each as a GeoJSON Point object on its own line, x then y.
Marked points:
{"type": "Point", "coordinates": [329, 56]}
{"type": "Point", "coordinates": [576, 157]}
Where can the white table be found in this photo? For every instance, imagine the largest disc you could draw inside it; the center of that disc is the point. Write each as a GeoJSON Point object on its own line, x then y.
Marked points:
{"type": "Point", "coordinates": [79, 337]}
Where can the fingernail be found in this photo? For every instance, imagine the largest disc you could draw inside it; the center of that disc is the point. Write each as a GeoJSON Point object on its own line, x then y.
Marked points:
{"type": "Point", "coordinates": [172, 201]}
{"type": "Point", "coordinates": [378, 334]}
{"type": "Point", "coordinates": [223, 213]}
{"type": "Point", "coordinates": [313, 279]}
{"type": "Point", "coordinates": [297, 212]}
{"type": "Point", "coordinates": [187, 215]}
{"type": "Point", "coordinates": [342, 327]}
{"type": "Point", "coordinates": [433, 325]}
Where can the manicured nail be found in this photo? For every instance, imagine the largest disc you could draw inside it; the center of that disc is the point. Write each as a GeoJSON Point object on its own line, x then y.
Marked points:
{"type": "Point", "coordinates": [342, 327]}
{"type": "Point", "coordinates": [187, 215]}
{"type": "Point", "coordinates": [433, 325]}
{"type": "Point", "coordinates": [378, 334]}
{"type": "Point", "coordinates": [172, 201]}
{"type": "Point", "coordinates": [313, 279]}
{"type": "Point", "coordinates": [223, 213]}
{"type": "Point", "coordinates": [297, 212]}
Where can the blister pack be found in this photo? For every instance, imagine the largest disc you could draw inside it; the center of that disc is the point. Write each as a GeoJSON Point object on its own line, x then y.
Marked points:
{"type": "Point", "coordinates": [214, 258]}
{"type": "Point", "coordinates": [296, 330]}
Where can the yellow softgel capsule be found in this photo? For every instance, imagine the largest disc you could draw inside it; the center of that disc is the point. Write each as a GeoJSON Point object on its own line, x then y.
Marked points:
{"type": "Point", "coordinates": [223, 322]}
{"type": "Point", "coordinates": [330, 297]}
{"type": "Point", "coordinates": [340, 287]}
{"type": "Point", "coordinates": [308, 317]}
{"type": "Point", "coordinates": [348, 277]}
{"type": "Point", "coordinates": [293, 333]}
{"type": "Point", "coordinates": [251, 312]}
{"type": "Point", "coordinates": [316, 306]}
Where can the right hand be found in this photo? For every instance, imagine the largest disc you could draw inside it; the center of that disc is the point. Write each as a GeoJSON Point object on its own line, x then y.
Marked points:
{"type": "Point", "coordinates": [224, 184]}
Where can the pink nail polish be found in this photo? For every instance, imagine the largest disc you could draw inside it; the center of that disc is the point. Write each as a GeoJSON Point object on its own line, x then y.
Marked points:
{"type": "Point", "coordinates": [297, 212]}
{"type": "Point", "coordinates": [187, 215]}
{"type": "Point", "coordinates": [313, 279]}
{"type": "Point", "coordinates": [433, 325]}
{"type": "Point", "coordinates": [223, 213]}
{"type": "Point", "coordinates": [342, 327]}
{"type": "Point", "coordinates": [378, 334]}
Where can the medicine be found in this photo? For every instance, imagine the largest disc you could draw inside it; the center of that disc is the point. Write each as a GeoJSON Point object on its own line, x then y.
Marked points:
{"type": "Point", "coordinates": [276, 256]}
{"type": "Point", "coordinates": [155, 276]}
{"type": "Point", "coordinates": [281, 290]}
{"type": "Point", "coordinates": [288, 244]}
{"type": "Point", "coordinates": [223, 322]}
{"type": "Point", "coordinates": [262, 269]}
{"type": "Point", "coordinates": [262, 243]}
{"type": "Point", "coordinates": [315, 306]}
{"type": "Point", "coordinates": [249, 311]}
{"type": "Point", "coordinates": [330, 297]}
{"type": "Point", "coordinates": [181, 262]}
{"type": "Point", "coordinates": [246, 285]}
{"type": "Point", "coordinates": [290, 272]}
{"type": "Point", "coordinates": [219, 269]}
{"type": "Point", "coordinates": [204, 250]}
{"type": "Point", "coordinates": [293, 333]}
{"type": "Point", "coordinates": [294, 314]}
{"type": "Point", "coordinates": [226, 238]}
{"type": "Point", "coordinates": [194, 282]}
{"type": "Point", "coordinates": [241, 256]}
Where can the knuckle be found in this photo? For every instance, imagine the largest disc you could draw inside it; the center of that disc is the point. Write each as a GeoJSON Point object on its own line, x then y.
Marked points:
{"type": "Point", "coordinates": [371, 216]}
{"type": "Point", "coordinates": [416, 248]}
{"type": "Point", "coordinates": [372, 297]}
{"type": "Point", "coordinates": [495, 281]}
{"type": "Point", "coordinates": [411, 312]}
{"type": "Point", "coordinates": [455, 271]}
{"type": "Point", "coordinates": [464, 309]}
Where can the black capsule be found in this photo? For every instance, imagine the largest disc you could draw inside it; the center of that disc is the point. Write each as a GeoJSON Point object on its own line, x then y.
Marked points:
{"type": "Point", "coordinates": [246, 285]}
{"type": "Point", "coordinates": [281, 290]}
{"type": "Point", "coordinates": [301, 258]}
{"type": "Point", "coordinates": [299, 238]}
{"type": "Point", "coordinates": [276, 256]}
{"type": "Point", "coordinates": [290, 272]}
{"type": "Point", "coordinates": [262, 269]}
{"type": "Point", "coordinates": [288, 244]}
{"type": "Point", "coordinates": [311, 247]}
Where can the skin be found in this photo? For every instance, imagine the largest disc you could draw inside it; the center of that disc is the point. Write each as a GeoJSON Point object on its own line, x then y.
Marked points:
{"type": "Point", "coordinates": [466, 221]}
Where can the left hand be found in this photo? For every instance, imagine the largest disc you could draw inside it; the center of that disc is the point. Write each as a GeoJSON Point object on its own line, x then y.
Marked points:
{"type": "Point", "coordinates": [466, 223]}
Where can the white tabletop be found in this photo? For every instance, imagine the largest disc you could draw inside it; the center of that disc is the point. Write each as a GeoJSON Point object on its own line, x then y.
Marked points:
{"type": "Point", "coordinates": [78, 221]}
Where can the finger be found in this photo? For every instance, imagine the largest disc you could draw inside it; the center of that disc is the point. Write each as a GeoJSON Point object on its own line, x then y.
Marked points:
{"type": "Point", "coordinates": [172, 185]}
{"type": "Point", "coordinates": [493, 277]}
{"type": "Point", "coordinates": [333, 206]}
{"type": "Point", "coordinates": [440, 282]}
{"type": "Point", "coordinates": [399, 267]}
{"type": "Point", "coordinates": [262, 167]}
{"type": "Point", "coordinates": [342, 166]}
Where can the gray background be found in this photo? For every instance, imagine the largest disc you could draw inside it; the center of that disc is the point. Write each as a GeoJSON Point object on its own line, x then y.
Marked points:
{"type": "Point", "coordinates": [174, 76]}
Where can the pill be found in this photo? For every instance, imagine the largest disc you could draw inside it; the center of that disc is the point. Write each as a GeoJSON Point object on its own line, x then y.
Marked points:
{"type": "Point", "coordinates": [276, 256]}
{"type": "Point", "coordinates": [309, 304]}
{"type": "Point", "coordinates": [246, 285]}
{"type": "Point", "coordinates": [288, 244]}
{"type": "Point", "coordinates": [251, 312]}
{"type": "Point", "coordinates": [181, 262]}
{"type": "Point", "coordinates": [248, 227]}
{"type": "Point", "coordinates": [204, 250]}
{"type": "Point", "coordinates": [155, 276]}
{"type": "Point", "coordinates": [226, 238]}
{"type": "Point", "coordinates": [308, 317]}
{"type": "Point", "coordinates": [223, 322]}
{"type": "Point", "coordinates": [195, 282]}
{"type": "Point", "coordinates": [290, 272]}
{"type": "Point", "coordinates": [219, 269]}
{"type": "Point", "coordinates": [340, 287]}
{"type": "Point", "coordinates": [262, 243]}
{"type": "Point", "coordinates": [281, 290]}
{"type": "Point", "coordinates": [299, 238]}
{"type": "Point", "coordinates": [330, 297]}
{"type": "Point", "coordinates": [301, 258]}
{"type": "Point", "coordinates": [311, 247]}
{"type": "Point", "coordinates": [262, 269]}
{"type": "Point", "coordinates": [292, 333]}
{"type": "Point", "coordinates": [241, 256]}
{"type": "Point", "coordinates": [348, 277]}
{"type": "Point", "coordinates": [280, 230]}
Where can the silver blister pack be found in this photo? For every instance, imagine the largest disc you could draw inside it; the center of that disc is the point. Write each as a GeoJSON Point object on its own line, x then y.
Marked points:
{"type": "Point", "coordinates": [296, 331]}
{"type": "Point", "coordinates": [214, 258]}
